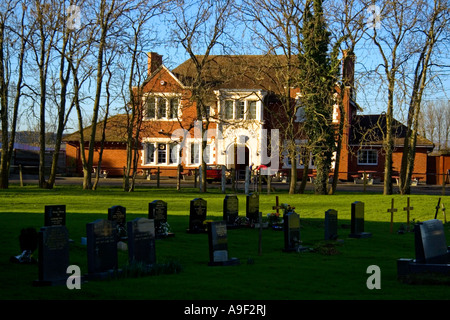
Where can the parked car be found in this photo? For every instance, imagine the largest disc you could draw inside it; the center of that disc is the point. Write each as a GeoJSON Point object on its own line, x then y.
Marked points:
{"type": "Point", "coordinates": [214, 173]}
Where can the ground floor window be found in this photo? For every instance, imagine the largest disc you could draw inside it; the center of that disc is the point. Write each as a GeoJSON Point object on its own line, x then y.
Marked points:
{"type": "Point", "coordinates": [367, 157]}
{"type": "Point", "coordinates": [161, 153]}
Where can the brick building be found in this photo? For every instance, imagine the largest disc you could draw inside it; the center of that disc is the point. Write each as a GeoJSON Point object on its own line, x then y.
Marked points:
{"type": "Point", "coordinates": [242, 95]}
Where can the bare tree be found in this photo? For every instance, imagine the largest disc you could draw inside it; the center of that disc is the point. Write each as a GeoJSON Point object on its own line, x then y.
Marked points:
{"type": "Point", "coordinates": [434, 18]}
{"type": "Point", "coordinates": [107, 15]}
{"type": "Point", "coordinates": [347, 23]}
{"type": "Point", "coordinates": [277, 25]}
{"type": "Point", "coordinates": [12, 32]}
{"type": "Point", "coordinates": [47, 21]}
{"type": "Point", "coordinates": [136, 40]}
{"type": "Point", "coordinates": [199, 27]}
{"type": "Point", "coordinates": [398, 21]}
{"type": "Point", "coordinates": [434, 123]}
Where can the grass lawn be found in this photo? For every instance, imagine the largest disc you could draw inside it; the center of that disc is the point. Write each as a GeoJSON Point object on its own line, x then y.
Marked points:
{"type": "Point", "coordinates": [273, 275]}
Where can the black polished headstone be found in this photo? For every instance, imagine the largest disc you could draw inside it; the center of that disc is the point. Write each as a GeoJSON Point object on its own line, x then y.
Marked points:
{"type": "Point", "coordinates": [430, 242]}
{"type": "Point", "coordinates": [432, 252]}
{"type": "Point", "coordinates": [55, 215]}
{"type": "Point", "coordinates": [252, 208]}
{"type": "Point", "coordinates": [291, 230]}
{"type": "Point", "coordinates": [197, 216]}
{"type": "Point", "coordinates": [357, 222]}
{"type": "Point", "coordinates": [141, 241]}
{"type": "Point", "coordinates": [218, 245]}
{"type": "Point", "coordinates": [101, 247]}
{"type": "Point", "coordinates": [331, 225]}
{"type": "Point", "coordinates": [118, 214]}
{"type": "Point", "coordinates": [157, 210]}
{"type": "Point", "coordinates": [230, 210]}
{"type": "Point", "coordinates": [53, 258]}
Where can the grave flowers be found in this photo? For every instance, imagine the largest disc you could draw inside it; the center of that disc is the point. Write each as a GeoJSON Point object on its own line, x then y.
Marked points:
{"type": "Point", "coordinates": [275, 221]}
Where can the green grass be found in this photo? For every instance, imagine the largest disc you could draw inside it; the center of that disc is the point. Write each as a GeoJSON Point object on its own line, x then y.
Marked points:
{"type": "Point", "coordinates": [273, 275]}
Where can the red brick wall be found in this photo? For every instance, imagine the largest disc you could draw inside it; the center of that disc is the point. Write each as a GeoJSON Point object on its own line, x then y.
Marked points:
{"type": "Point", "coordinates": [437, 166]}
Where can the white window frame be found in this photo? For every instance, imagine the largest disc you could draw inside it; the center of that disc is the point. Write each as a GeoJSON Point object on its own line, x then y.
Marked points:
{"type": "Point", "coordinates": [193, 158]}
{"type": "Point", "coordinates": [169, 145]}
{"type": "Point", "coordinates": [146, 153]}
{"type": "Point", "coordinates": [366, 157]}
{"type": "Point", "coordinates": [157, 98]}
{"type": "Point", "coordinates": [248, 110]}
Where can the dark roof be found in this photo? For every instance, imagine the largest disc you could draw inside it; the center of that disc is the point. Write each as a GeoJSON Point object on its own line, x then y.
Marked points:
{"type": "Point", "coordinates": [116, 131]}
{"type": "Point", "coordinates": [265, 72]}
{"type": "Point", "coordinates": [369, 130]}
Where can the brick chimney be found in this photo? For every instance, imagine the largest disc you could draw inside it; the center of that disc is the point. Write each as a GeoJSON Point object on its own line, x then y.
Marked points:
{"type": "Point", "coordinates": [348, 70]}
{"type": "Point", "coordinates": [154, 62]}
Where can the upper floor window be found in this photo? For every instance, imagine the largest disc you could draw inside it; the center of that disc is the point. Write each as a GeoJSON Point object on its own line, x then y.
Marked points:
{"type": "Point", "coordinates": [240, 104]}
{"type": "Point", "coordinates": [150, 108]}
{"type": "Point", "coordinates": [158, 107]}
{"type": "Point", "coordinates": [239, 109]}
{"type": "Point", "coordinates": [228, 114]}
{"type": "Point", "coordinates": [162, 108]}
{"type": "Point", "coordinates": [251, 110]}
{"type": "Point", "coordinates": [174, 104]}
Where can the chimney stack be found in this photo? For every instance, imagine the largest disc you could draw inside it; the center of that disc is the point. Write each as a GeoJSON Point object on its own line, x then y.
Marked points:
{"type": "Point", "coordinates": [154, 62]}
{"type": "Point", "coordinates": [348, 69]}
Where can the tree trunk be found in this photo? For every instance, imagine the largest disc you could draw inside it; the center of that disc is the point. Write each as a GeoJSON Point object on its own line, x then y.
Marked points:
{"type": "Point", "coordinates": [293, 180]}
{"type": "Point", "coordinates": [389, 142]}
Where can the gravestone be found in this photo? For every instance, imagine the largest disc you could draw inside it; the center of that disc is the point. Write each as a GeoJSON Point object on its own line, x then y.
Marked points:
{"type": "Point", "coordinates": [53, 258]}
{"type": "Point", "coordinates": [431, 250]}
{"type": "Point", "coordinates": [357, 223]}
{"type": "Point", "coordinates": [291, 221]}
{"type": "Point", "coordinates": [430, 242]}
{"type": "Point", "coordinates": [231, 210]}
{"type": "Point", "coordinates": [197, 216]}
{"type": "Point", "coordinates": [218, 245]}
{"type": "Point", "coordinates": [118, 214]}
{"type": "Point", "coordinates": [55, 215]}
{"type": "Point", "coordinates": [141, 241]}
{"type": "Point", "coordinates": [252, 208]}
{"type": "Point", "coordinates": [157, 210]}
{"type": "Point", "coordinates": [331, 225]}
{"type": "Point", "coordinates": [101, 248]}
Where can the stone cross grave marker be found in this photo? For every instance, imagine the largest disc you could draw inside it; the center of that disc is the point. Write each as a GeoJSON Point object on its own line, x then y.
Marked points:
{"type": "Point", "coordinates": [53, 258]}
{"type": "Point", "coordinates": [55, 215]}
{"type": "Point", "coordinates": [197, 216]}
{"type": "Point", "coordinates": [392, 210]}
{"type": "Point", "coordinates": [101, 248]}
{"type": "Point", "coordinates": [357, 222]}
{"type": "Point", "coordinates": [252, 208]}
{"type": "Point", "coordinates": [141, 241]}
{"type": "Point", "coordinates": [118, 214]}
{"type": "Point", "coordinates": [218, 245]}
{"type": "Point", "coordinates": [157, 210]}
{"type": "Point", "coordinates": [230, 210]}
{"type": "Point", "coordinates": [437, 208]}
{"type": "Point", "coordinates": [331, 225]}
{"type": "Point", "coordinates": [408, 209]}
